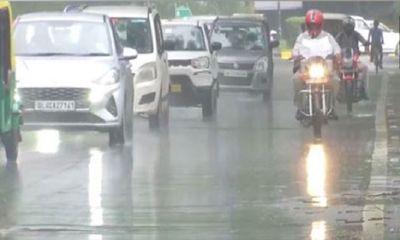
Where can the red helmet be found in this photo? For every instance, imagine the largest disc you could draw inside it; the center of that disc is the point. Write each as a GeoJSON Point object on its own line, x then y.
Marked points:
{"type": "Point", "coordinates": [314, 22]}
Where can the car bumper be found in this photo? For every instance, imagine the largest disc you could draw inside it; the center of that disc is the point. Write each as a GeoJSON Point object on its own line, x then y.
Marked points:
{"type": "Point", "coordinates": [249, 81]}
{"type": "Point", "coordinates": [146, 96]}
{"type": "Point", "coordinates": [76, 121]}
{"type": "Point", "coordinates": [102, 114]}
{"type": "Point", "coordinates": [189, 87]}
{"type": "Point", "coordinates": [199, 78]}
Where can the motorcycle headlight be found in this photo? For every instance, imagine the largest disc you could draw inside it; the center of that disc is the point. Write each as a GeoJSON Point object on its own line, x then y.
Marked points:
{"type": "Point", "coordinates": [147, 72]}
{"type": "Point", "coordinates": [201, 63]}
{"type": "Point", "coordinates": [111, 77]}
{"type": "Point", "coordinates": [261, 65]}
{"type": "Point", "coordinates": [316, 71]}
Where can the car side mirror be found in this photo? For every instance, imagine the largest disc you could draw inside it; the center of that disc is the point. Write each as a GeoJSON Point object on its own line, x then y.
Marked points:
{"type": "Point", "coordinates": [216, 46]}
{"type": "Point", "coordinates": [274, 44]}
{"type": "Point", "coordinates": [129, 54]}
{"type": "Point", "coordinates": [169, 45]}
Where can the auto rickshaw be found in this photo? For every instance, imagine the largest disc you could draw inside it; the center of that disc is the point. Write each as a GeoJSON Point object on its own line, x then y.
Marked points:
{"type": "Point", "coordinates": [10, 110]}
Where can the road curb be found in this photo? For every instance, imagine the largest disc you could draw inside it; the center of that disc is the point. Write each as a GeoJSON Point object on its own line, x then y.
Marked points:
{"type": "Point", "coordinates": [379, 172]}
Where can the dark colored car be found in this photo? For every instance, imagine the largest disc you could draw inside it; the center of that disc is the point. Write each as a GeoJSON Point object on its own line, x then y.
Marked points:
{"type": "Point", "coordinates": [245, 61]}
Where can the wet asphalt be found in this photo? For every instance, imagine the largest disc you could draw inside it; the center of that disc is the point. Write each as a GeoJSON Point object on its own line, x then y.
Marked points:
{"type": "Point", "coordinates": [253, 172]}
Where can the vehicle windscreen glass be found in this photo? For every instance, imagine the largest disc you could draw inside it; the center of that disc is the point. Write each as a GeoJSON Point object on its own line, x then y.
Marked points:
{"type": "Point", "coordinates": [240, 36]}
{"type": "Point", "coordinates": [186, 38]}
{"type": "Point", "coordinates": [134, 33]}
{"type": "Point", "coordinates": [62, 38]}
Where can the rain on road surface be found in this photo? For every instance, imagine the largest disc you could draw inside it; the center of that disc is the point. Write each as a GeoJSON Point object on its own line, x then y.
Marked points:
{"type": "Point", "coordinates": [252, 173]}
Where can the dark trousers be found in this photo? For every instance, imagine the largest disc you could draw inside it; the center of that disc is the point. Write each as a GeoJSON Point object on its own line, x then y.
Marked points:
{"type": "Point", "coordinates": [380, 49]}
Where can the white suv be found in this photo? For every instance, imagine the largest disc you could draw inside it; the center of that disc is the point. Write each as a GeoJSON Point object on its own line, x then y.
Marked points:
{"type": "Point", "coordinates": [140, 28]}
{"type": "Point", "coordinates": [193, 65]}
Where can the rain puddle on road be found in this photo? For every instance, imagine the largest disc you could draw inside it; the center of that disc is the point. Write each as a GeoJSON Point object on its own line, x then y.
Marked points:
{"type": "Point", "coordinates": [354, 210]}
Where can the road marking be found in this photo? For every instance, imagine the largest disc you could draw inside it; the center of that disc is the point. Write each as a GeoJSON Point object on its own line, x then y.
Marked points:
{"type": "Point", "coordinates": [378, 181]}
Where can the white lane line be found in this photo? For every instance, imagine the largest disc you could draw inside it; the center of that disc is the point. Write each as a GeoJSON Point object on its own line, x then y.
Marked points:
{"type": "Point", "coordinates": [378, 181]}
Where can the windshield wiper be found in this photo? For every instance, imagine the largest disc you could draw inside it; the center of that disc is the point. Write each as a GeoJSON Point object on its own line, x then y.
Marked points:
{"type": "Point", "coordinates": [94, 54]}
{"type": "Point", "coordinates": [48, 54]}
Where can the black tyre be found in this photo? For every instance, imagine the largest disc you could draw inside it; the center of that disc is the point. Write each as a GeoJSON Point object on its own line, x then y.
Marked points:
{"type": "Point", "coordinates": [124, 133]}
{"type": "Point", "coordinates": [209, 104]}
{"type": "Point", "coordinates": [116, 136]}
{"type": "Point", "coordinates": [161, 117]}
{"type": "Point", "coordinates": [317, 126]}
{"type": "Point", "coordinates": [267, 95]}
{"type": "Point", "coordinates": [317, 119]}
{"type": "Point", "coordinates": [10, 141]}
{"type": "Point", "coordinates": [155, 119]}
{"type": "Point", "coordinates": [349, 95]}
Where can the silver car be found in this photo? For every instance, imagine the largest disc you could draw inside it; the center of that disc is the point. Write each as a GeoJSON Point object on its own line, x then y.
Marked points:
{"type": "Point", "coordinates": [73, 73]}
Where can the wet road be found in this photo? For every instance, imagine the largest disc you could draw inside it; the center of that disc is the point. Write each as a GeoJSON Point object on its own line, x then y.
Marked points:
{"type": "Point", "coordinates": [252, 173]}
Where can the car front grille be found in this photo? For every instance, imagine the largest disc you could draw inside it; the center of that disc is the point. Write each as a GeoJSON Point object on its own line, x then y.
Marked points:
{"type": "Point", "coordinates": [235, 81]}
{"type": "Point", "coordinates": [79, 95]}
{"type": "Point", "coordinates": [237, 66]}
{"type": "Point", "coordinates": [177, 63]}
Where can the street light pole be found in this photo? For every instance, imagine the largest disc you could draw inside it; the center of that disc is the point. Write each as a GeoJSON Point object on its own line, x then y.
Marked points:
{"type": "Point", "coordinates": [279, 19]}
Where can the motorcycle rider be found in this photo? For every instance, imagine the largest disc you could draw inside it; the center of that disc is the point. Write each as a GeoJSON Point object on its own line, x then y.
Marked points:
{"type": "Point", "coordinates": [313, 42]}
{"type": "Point", "coordinates": [376, 38]}
{"type": "Point", "coordinates": [349, 38]}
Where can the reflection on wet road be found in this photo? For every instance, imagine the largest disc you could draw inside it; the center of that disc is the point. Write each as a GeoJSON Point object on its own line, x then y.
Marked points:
{"type": "Point", "coordinates": [251, 173]}
{"type": "Point", "coordinates": [316, 175]}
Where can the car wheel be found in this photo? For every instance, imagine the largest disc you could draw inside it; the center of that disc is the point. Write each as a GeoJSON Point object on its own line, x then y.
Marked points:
{"type": "Point", "coordinates": [10, 141]}
{"type": "Point", "coordinates": [267, 95]}
{"type": "Point", "coordinates": [128, 130]}
{"type": "Point", "coordinates": [123, 133]}
{"type": "Point", "coordinates": [209, 104]}
{"type": "Point", "coordinates": [154, 119]}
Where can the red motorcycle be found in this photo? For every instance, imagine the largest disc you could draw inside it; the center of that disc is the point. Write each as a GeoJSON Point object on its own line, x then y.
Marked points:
{"type": "Point", "coordinates": [349, 77]}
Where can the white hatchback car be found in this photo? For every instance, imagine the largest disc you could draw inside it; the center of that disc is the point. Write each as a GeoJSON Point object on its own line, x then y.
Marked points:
{"type": "Point", "coordinates": [73, 73]}
{"type": "Point", "coordinates": [193, 65]}
{"type": "Point", "coordinates": [140, 28]}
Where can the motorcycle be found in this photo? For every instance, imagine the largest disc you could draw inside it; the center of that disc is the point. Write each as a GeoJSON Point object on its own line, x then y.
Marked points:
{"type": "Point", "coordinates": [349, 78]}
{"type": "Point", "coordinates": [317, 95]}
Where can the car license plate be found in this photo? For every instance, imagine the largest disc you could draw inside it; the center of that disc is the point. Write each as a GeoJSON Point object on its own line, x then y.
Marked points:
{"type": "Point", "coordinates": [235, 73]}
{"type": "Point", "coordinates": [176, 88]}
{"type": "Point", "coordinates": [55, 106]}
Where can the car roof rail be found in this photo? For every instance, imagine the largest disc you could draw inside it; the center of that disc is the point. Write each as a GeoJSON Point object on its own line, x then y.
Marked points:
{"type": "Point", "coordinates": [75, 8]}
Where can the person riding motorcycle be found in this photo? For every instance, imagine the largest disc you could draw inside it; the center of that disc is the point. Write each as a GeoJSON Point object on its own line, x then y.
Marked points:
{"type": "Point", "coordinates": [349, 38]}
{"type": "Point", "coordinates": [313, 42]}
{"type": "Point", "coordinates": [376, 38]}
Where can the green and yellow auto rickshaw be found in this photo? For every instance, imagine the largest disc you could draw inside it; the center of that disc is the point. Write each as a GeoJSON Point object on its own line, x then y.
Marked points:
{"type": "Point", "coordinates": [10, 113]}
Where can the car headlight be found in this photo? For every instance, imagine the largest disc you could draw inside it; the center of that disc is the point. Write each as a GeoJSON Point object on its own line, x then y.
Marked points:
{"type": "Point", "coordinates": [201, 63]}
{"type": "Point", "coordinates": [147, 72]}
{"type": "Point", "coordinates": [261, 65]}
{"type": "Point", "coordinates": [111, 77]}
{"type": "Point", "coordinates": [316, 71]}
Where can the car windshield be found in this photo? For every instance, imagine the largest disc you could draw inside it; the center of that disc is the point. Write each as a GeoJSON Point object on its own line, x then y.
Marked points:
{"type": "Point", "coordinates": [240, 36]}
{"type": "Point", "coordinates": [186, 38]}
{"type": "Point", "coordinates": [62, 38]}
{"type": "Point", "coordinates": [134, 33]}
